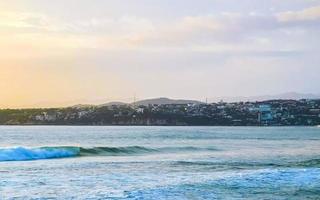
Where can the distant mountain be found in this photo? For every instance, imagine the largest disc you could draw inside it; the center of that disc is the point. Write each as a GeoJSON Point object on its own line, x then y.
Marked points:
{"type": "Point", "coordinates": [163, 100]}
{"type": "Point", "coordinates": [82, 106]}
{"type": "Point", "coordinates": [288, 95]}
{"type": "Point", "coordinates": [294, 95]}
{"type": "Point", "coordinates": [113, 103]}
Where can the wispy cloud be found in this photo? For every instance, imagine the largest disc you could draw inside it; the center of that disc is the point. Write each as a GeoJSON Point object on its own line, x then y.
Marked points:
{"type": "Point", "coordinates": [307, 14]}
{"type": "Point", "coordinates": [222, 30]}
{"type": "Point", "coordinates": [28, 22]}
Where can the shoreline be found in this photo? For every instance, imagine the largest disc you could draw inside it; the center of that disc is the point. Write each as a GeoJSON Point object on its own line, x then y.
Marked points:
{"type": "Point", "coordinates": [106, 125]}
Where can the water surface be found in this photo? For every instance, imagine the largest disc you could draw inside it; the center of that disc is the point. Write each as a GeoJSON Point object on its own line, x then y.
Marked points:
{"type": "Point", "coordinates": [80, 162]}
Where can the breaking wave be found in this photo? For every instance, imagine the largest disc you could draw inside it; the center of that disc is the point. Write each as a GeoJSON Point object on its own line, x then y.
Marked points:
{"type": "Point", "coordinates": [23, 153]}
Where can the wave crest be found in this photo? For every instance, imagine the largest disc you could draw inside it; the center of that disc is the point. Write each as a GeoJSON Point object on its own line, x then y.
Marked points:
{"type": "Point", "coordinates": [22, 153]}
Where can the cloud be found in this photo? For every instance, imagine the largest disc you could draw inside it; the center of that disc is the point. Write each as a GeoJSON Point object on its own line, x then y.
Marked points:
{"type": "Point", "coordinates": [21, 30]}
{"type": "Point", "coordinates": [308, 14]}
{"type": "Point", "coordinates": [216, 32]}
{"type": "Point", "coordinates": [28, 22]}
{"type": "Point", "coordinates": [222, 32]}
{"type": "Point", "coordinates": [125, 25]}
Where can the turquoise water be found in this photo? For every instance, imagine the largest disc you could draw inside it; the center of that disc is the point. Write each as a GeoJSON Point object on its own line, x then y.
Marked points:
{"type": "Point", "coordinates": [66, 162]}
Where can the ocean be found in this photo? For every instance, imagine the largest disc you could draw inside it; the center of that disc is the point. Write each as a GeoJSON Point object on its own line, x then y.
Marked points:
{"type": "Point", "coordinates": [111, 162]}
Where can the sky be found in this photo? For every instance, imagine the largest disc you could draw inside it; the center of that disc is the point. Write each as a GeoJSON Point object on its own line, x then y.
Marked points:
{"type": "Point", "coordinates": [60, 53]}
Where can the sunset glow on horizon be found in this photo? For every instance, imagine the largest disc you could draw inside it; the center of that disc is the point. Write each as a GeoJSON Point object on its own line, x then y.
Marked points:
{"type": "Point", "coordinates": [59, 53]}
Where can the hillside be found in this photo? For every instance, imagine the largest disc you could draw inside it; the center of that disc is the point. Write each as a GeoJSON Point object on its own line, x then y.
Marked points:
{"type": "Point", "coordinates": [163, 100]}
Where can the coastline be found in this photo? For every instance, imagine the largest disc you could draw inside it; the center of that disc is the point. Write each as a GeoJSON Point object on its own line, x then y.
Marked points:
{"type": "Point", "coordinates": [266, 113]}
{"type": "Point", "coordinates": [134, 125]}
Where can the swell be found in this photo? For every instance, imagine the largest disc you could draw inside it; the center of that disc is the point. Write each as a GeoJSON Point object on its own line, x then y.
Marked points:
{"type": "Point", "coordinates": [23, 153]}
{"type": "Point", "coordinates": [257, 184]}
{"type": "Point", "coordinates": [311, 163]}
{"type": "Point", "coordinates": [135, 150]}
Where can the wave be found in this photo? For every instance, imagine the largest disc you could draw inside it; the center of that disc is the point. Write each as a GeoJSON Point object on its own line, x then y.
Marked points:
{"type": "Point", "coordinates": [248, 165]}
{"type": "Point", "coordinates": [308, 163]}
{"type": "Point", "coordinates": [23, 153]}
{"type": "Point", "coordinates": [259, 184]}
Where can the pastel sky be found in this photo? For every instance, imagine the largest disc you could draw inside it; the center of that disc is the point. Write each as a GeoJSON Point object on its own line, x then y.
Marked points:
{"type": "Point", "coordinates": [63, 52]}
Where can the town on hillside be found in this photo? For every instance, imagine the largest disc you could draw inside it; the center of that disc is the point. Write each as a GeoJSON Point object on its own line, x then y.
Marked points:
{"type": "Point", "coordinates": [304, 112]}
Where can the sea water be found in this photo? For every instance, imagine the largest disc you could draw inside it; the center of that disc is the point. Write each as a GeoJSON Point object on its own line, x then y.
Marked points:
{"type": "Point", "coordinates": [109, 162]}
